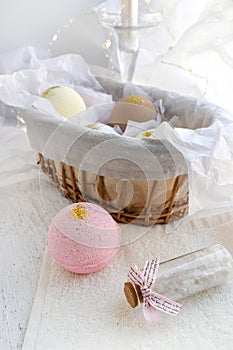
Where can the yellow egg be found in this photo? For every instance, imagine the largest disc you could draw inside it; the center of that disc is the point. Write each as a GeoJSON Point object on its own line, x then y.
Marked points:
{"type": "Point", "coordinates": [146, 134]}
{"type": "Point", "coordinates": [65, 100]}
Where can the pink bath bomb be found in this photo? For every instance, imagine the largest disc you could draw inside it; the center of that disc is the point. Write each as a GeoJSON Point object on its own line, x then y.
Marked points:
{"type": "Point", "coordinates": [83, 238]}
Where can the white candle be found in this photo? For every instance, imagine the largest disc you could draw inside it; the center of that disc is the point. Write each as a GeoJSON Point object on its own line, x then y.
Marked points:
{"type": "Point", "coordinates": [129, 13]}
{"type": "Point", "coordinates": [129, 40]}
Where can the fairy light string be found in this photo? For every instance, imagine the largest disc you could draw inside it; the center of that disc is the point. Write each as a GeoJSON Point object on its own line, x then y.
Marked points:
{"type": "Point", "coordinates": [178, 66]}
{"type": "Point", "coordinates": [58, 33]}
{"type": "Point", "coordinates": [189, 71]}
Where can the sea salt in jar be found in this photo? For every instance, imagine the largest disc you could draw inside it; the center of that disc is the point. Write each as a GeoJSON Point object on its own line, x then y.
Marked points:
{"type": "Point", "coordinates": [188, 274]}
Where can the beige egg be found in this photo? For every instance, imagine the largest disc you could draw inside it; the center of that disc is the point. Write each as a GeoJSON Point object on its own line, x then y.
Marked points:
{"type": "Point", "coordinates": [135, 108]}
{"type": "Point", "coordinates": [65, 100]}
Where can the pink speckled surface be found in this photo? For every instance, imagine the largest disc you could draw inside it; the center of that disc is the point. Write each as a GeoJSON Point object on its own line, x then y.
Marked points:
{"type": "Point", "coordinates": [83, 245]}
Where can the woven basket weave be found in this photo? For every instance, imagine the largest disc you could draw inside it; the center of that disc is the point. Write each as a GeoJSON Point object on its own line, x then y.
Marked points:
{"type": "Point", "coordinates": [148, 202]}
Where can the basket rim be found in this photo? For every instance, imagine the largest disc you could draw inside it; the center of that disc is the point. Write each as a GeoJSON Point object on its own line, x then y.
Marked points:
{"type": "Point", "coordinates": [74, 148]}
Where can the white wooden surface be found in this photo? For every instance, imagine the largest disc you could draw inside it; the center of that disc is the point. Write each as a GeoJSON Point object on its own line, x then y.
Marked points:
{"type": "Point", "coordinates": [24, 219]}
{"type": "Point", "coordinates": [23, 229]}
{"type": "Point", "coordinates": [22, 241]}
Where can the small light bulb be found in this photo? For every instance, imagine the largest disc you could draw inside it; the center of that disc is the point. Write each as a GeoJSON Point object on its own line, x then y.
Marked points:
{"type": "Point", "coordinates": [54, 38]}
{"type": "Point", "coordinates": [107, 44]}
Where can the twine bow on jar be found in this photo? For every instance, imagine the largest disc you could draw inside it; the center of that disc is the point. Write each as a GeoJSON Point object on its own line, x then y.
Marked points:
{"type": "Point", "coordinates": [140, 287]}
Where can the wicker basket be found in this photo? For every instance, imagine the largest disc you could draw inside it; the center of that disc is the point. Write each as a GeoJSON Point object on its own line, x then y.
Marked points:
{"type": "Point", "coordinates": [150, 202]}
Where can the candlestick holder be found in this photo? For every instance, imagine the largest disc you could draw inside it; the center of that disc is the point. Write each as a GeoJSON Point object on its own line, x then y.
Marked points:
{"type": "Point", "coordinates": [125, 24]}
